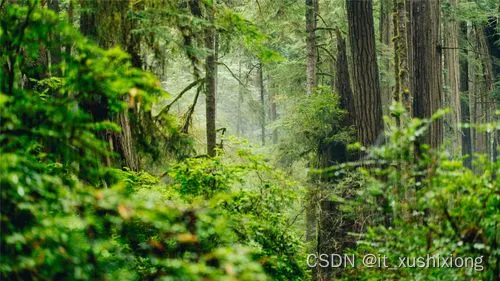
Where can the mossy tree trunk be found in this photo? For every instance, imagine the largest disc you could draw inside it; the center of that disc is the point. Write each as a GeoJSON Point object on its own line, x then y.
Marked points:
{"type": "Point", "coordinates": [108, 23]}
{"type": "Point", "coordinates": [211, 86]}
{"type": "Point", "coordinates": [311, 22]}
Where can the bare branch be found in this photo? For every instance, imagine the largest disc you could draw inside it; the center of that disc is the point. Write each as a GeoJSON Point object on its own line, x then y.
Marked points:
{"type": "Point", "coordinates": [189, 113]}
{"type": "Point", "coordinates": [189, 87]}
{"type": "Point", "coordinates": [325, 28]}
{"type": "Point", "coordinates": [232, 74]}
{"type": "Point", "coordinates": [250, 71]}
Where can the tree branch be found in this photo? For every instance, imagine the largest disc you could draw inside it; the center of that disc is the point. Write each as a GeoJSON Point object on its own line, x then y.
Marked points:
{"type": "Point", "coordinates": [189, 113]}
{"type": "Point", "coordinates": [325, 28]}
{"type": "Point", "coordinates": [250, 71]}
{"type": "Point", "coordinates": [232, 74]}
{"type": "Point", "coordinates": [189, 87]}
{"type": "Point", "coordinates": [328, 52]}
{"type": "Point", "coordinates": [329, 29]}
{"type": "Point", "coordinates": [325, 74]}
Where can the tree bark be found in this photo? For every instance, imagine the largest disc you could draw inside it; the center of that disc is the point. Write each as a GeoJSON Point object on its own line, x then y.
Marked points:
{"type": "Point", "coordinates": [311, 83]}
{"type": "Point", "coordinates": [426, 66]}
{"type": "Point", "coordinates": [210, 90]}
{"type": "Point", "coordinates": [311, 20]}
{"type": "Point", "coordinates": [386, 34]}
{"type": "Point", "coordinates": [481, 105]}
{"type": "Point", "coordinates": [452, 81]}
{"type": "Point", "coordinates": [492, 38]}
{"type": "Point", "coordinates": [366, 86]}
{"type": "Point", "coordinates": [401, 55]}
{"type": "Point", "coordinates": [343, 85]}
{"type": "Point", "coordinates": [465, 113]}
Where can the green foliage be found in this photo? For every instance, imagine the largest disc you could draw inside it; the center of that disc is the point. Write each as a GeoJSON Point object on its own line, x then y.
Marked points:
{"type": "Point", "coordinates": [202, 176]}
{"type": "Point", "coordinates": [312, 121]}
{"type": "Point", "coordinates": [425, 203]}
{"type": "Point", "coordinates": [170, 26]}
{"type": "Point", "coordinates": [65, 216]}
{"type": "Point", "coordinates": [257, 201]}
{"type": "Point", "coordinates": [59, 231]}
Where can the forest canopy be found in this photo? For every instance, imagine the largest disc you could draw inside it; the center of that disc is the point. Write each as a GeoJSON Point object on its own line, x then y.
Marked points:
{"type": "Point", "coordinates": [249, 140]}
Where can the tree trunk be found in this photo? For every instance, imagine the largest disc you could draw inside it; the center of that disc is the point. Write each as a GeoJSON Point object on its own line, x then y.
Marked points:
{"type": "Point", "coordinates": [367, 97]}
{"type": "Point", "coordinates": [452, 81]}
{"type": "Point", "coordinates": [488, 81]}
{"type": "Point", "coordinates": [262, 106]}
{"type": "Point", "coordinates": [471, 73]}
{"type": "Point", "coordinates": [54, 53]}
{"type": "Point", "coordinates": [95, 23]}
{"type": "Point", "coordinates": [312, 225]}
{"type": "Point", "coordinates": [426, 66]}
{"type": "Point", "coordinates": [482, 106]}
{"type": "Point", "coordinates": [385, 22]}
{"type": "Point", "coordinates": [343, 85]}
{"type": "Point", "coordinates": [327, 240]}
{"type": "Point", "coordinates": [311, 19]}
{"type": "Point", "coordinates": [311, 16]}
{"type": "Point", "coordinates": [68, 46]}
{"type": "Point", "coordinates": [492, 38]}
{"type": "Point", "coordinates": [465, 113]}
{"type": "Point", "coordinates": [273, 115]}
{"type": "Point", "coordinates": [386, 34]}
{"type": "Point", "coordinates": [88, 22]}
{"type": "Point", "coordinates": [239, 102]}
{"type": "Point", "coordinates": [401, 55]}
{"type": "Point", "coordinates": [210, 90]}
{"type": "Point", "coordinates": [125, 142]}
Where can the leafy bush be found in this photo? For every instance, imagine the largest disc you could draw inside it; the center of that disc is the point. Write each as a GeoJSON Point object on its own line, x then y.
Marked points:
{"type": "Point", "coordinates": [58, 231]}
{"type": "Point", "coordinates": [423, 203]}
{"type": "Point", "coordinates": [257, 201]}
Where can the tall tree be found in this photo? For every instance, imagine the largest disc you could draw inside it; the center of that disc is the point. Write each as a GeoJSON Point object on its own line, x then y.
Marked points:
{"type": "Point", "coordinates": [100, 21]}
{"type": "Point", "coordinates": [55, 52]}
{"type": "Point", "coordinates": [386, 34]}
{"type": "Point", "coordinates": [70, 12]}
{"type": "Point", "coordinates": [426, 65]}
{"type": "Point", "coordinates": [464, 89]}
{"type": "Point", "coordinates": [262, 105]}
{"type": "Point", "coordinates": [402, 86]}
{"type": "Point", "coordinates": [211, 84]}
{"type": "Point", "coordinates": [332, 233]}
{"type": "Point", "coordinates": [452, 79]}
{"type": "Point", "coordinates": [311, 22]}
{"type": "Point", "coordinates": [273, 114]}
{"type": "Point", "coordinates": [311, 83]}
{"type": "Point", "coordinates": [239, 102]}
{"type": "Point", "coordinates": [481, 105]}
{"type": "Point", "coordinates": [368, 106]}
{"type": "Point", "coordinates": [492, 38]}
{"type": "Point", "coordinates": [342, 84]}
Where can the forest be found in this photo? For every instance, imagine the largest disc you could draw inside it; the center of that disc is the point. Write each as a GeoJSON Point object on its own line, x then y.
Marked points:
{"type": "Point", "coordinates": [198, 140]}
